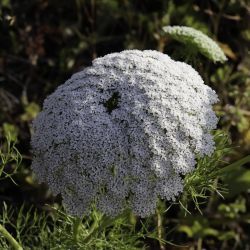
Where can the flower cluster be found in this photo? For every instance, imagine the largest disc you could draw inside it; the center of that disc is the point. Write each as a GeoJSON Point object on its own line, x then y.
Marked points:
{"type": "Point", "coordinates": [123, 132]}
{"type": "Point", "coordinates": [198, 40]}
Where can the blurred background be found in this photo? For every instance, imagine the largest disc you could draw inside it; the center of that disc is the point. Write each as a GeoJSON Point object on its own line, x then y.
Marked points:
{"type": "Point", "coordinates": [42, 43]}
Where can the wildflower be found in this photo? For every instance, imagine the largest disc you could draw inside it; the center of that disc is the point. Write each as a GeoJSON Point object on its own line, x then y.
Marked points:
{"type": "Point", "coordinates": [123, 132]}
{"type": "Point", "coordinates": [198, 40]}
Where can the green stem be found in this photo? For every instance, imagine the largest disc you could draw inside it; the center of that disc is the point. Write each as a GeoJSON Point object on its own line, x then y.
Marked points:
{"type": "Point", "coordinates": [199, 244]}
{"type": "Point", "coordinates": [160, 229]}
{"type": "Point", "coordinates": [93, 226]}
{"type": "Point", "coordinates": [95, 229]}
{"type": "Point", "coordinates": [10, 238]}
{"type": "Point", "coordinates": [98, 226]}
{"type": "Point", "coordinates": [76, 228]}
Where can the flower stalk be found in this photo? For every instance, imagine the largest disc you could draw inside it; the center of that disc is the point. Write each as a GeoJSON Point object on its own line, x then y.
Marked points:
{"type": "Point", "coordinates": [10, 238]}
{"type": "Point", "coordinates": [76, 228]}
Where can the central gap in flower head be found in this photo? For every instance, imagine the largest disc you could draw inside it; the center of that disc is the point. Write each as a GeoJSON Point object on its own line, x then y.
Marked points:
{"type": "Point", "coordinates": [112, 102]}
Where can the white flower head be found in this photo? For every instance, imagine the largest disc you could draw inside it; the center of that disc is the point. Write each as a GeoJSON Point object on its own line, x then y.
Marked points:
{"type": "Point", "coordinates": [123, 132]}
{"type": "Point", "coordinates": [195, 38]}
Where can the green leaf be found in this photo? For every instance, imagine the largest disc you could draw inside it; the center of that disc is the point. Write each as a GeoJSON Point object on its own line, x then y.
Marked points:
{"type": "Point", "coordinates": [227, 170]}
{"type": "Point", "coordinates": [236, 177]}
{"type": "Point", "coordinates": [31, 111]}
{"type": "Point", "coordinates": [10, 131]}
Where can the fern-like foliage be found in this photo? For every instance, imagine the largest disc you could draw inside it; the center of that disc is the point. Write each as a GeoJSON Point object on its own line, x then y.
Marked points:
{"type": "Point", "coordinates": [10, 158]}
{"type": "Point", "coordinates": [53, 229]}
{"type": "Point", "coordinates": [205, 179]}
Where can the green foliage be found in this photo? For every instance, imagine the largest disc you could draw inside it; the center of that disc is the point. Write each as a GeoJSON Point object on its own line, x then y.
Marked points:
{"type": "Point", "coordinates": [212, 175]}
{"type": "Point", "coordinates": [214, 178]}
{"type": "Point", "coordinates": [221, 227]}
{"type": "Point", "coordinates": [31, 110]}
{"type": "Point", "coordinates": [44, 42]}
{"type": "Point", "coordinates": [53, 229]}
{"type": "Point", "coordinates": [203, 181]}
{"type": "Point", "coordinates": [200, 228]}
{"type": "Point", "coordinates": [10, 132]}
{"type": "Point", "coordinates": [233, 210]}
{"type": "Point", "coordinates": [9, 156]}
{"type": "Point", "coordinates": [237, 177]}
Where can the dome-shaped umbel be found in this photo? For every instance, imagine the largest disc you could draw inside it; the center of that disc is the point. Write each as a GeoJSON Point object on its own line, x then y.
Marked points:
{"type": "Point", "coordinates": [123, 132]}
